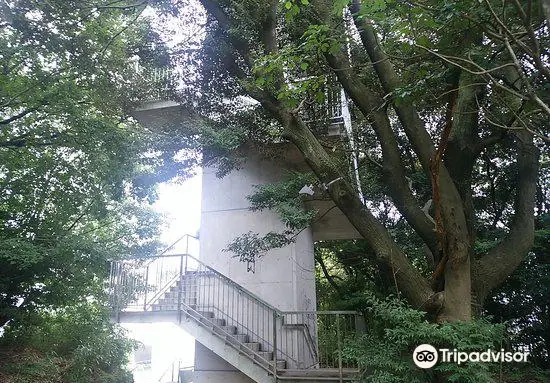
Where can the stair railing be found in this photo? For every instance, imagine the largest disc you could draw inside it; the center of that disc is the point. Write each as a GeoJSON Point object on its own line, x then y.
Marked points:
{"type": "Point", "coordinates": [253, 318]}
{"type": "Point", "coordinates": [136, 284]}
{"type": "Point", "coordinates": [304, 339]}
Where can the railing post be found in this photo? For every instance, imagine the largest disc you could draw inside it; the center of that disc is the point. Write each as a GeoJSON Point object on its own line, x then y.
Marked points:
{"type": "Point", "coordinates": [186, 257]}
{"type": "Point", "coordinates": [180, 287]}
{"type": "Point", "coordinates": [185, 271]}
{"type": "Point", "coordinates": [112, 296]}
{"type": "Point", "coordinates": [274, 346]}
{"type": "Point", "coordinates": [338, 335]}
{"type": "Point", "coordinates": [146, 288]}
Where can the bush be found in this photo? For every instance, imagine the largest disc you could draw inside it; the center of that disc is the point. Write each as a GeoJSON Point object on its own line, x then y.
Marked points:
{"type": "Point", "coordinates": [77, 344]}
{"type": "Point", "coordinates": [394, 330]}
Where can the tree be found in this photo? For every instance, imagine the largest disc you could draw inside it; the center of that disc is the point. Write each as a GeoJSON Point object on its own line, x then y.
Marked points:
{"type": "Point", "coordinates": [440, 93]}
{"type": "Point", "coordinates": [77, 174]}
{"type": "Point", "coordinates": [77, 171]}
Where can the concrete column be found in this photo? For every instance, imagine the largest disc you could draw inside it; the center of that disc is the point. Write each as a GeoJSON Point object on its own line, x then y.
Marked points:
{"type": "Point", "coordinates": [284, 278]}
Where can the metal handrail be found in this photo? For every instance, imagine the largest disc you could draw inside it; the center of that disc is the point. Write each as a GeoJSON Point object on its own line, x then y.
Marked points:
{"type": "Point", "coordinates": [331, 108]}
{"type": "Point", "coordinates": [159, 293]}
{"type": "Point", "coordinates": [162, 254]}
{"type": "Point", "coordinates": [196, 316]}
{"type": "Point", "coordinates": [217, 273]}
{"type": "Point", "coordinates": [201, 287]}
{"type": "Point", "coordinates": [236, 285]}
{"type": "Point", "coordinates": [255, 334]}
{"type": "Point", "coordinates": [309, 340]}
{"type": "Point", "coordinates": [273, 310]}
{"type": "Point", "coordinates": [144, 264]}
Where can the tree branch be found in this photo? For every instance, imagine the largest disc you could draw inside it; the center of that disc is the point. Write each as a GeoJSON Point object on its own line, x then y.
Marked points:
{"type": "Point", "coordinates": [452, 207]}
{"type": "Point", "coordinates": [493, 268]}
{"type": "Point", "coordinates": [413, 285]}
{"type": "Point", "coordinates": [393, 169]}
{"type": "Point", "coordinates": [19, 115]}
{"type": "Point", "coordinates": [530, 91]}
{"type": "Point", "coordinates": [407, 114]}
{"type": "Point", "coordinates": [269, 33]}
{"type": "Point", "coordinates": [329, 278]}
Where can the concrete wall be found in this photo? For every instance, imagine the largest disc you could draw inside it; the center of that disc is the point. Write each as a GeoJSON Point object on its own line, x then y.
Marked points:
{"type": "Point", "coordinates": [285, 278]}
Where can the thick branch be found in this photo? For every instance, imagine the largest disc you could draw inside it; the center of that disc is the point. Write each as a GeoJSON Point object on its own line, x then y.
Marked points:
{"type": "Point", "coordinates": [240, 44]}
{"type": "Point", "coordinates": [407, 114]}
{"type": "Point", "coordinates": [452, 209]}
{"type": "Point", "coordinates": [462, 149]}
{"type": "Point", "coordinates": [269, 33]}
{"type": "Point", "coordinates": [413, 285]}
{"type": "Point", "coordinates": [493, 268]}
{"type": "Point", "coordinates": [372, 108]}
{"type": "Point", "coordinates": [489, 141]}
{"type": "Point", "coordinates": [435, 166]}
{"type": "Point", "coordinates": [329, 278]}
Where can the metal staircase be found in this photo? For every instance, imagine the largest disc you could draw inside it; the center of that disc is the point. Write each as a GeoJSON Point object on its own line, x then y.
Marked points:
{"type": "Point", "coordinates": [264, 343]}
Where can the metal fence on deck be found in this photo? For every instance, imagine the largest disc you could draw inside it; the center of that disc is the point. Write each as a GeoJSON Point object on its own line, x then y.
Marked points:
{"type": "Point", "coordinates": [318, 114]}
{"type": "Point", "coordinates": [317, 338]}
{"type": "Point", "coordinates": [162, 82]}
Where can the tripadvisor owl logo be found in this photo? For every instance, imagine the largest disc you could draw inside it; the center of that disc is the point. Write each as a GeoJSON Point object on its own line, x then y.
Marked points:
{"type": "Point", "coordinates": [426, 356]}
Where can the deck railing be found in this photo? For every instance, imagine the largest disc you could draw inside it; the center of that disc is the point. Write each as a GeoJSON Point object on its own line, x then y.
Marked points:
{"type": "Point", "coordinates": [164, 82]}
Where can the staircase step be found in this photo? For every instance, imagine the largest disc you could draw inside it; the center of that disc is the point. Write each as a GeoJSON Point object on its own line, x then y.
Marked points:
{"type": "Point", "coordinates": [175, 295]}
{"type": "Point", "coordinates": [217, 321]}
{"type": "Point", "coordinates": [188, 287]}
{"type": "Point", "coordinates": [164, 307]}
{"type": "Point", "coordinates": [281, 364]}
{"type": "Point", "coordinates": [241, 338]}
{"type": "Point", "coordinates": [267, 355]}
{"type": "Point", "coordinates": [189, 276]}
{"type": "Point", "coordinates": [174, 301]}
{"type": "Point", "coordinates": [207, 314]}
{"type": "Point", "coordinates": [252, 346]}
{"type": "Point", "coordinates": [229, 329]}
{"type": "Point", "coordinates": [213, 321]}
{"type": "Point", "coordinates": [185, 288]}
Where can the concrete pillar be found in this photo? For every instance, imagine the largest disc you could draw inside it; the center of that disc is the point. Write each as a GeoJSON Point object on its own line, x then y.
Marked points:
{"type": "Point", "coordinates": [284, 278]}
